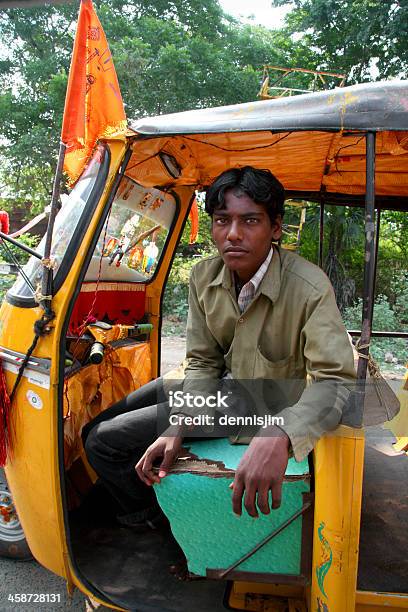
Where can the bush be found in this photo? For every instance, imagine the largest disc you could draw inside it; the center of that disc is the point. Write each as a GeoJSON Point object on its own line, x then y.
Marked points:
{"type": "Point", "coordinates": [387, 319]}
{"type": "Point", "coordinates": [10, 253]}
{"type": "Point", "coordinates": [6, 281]}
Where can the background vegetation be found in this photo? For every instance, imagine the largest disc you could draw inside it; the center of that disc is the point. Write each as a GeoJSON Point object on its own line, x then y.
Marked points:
{"type": "Point", "coordinates": [173, 55]}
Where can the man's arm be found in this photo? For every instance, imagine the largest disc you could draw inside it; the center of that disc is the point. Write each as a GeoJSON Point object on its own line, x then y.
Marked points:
{"type": "Point", "coordinates": [205, 363]}
{"type": "Point", "coordinates": [330, 365]}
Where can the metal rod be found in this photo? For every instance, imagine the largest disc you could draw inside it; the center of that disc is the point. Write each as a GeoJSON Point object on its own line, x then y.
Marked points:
{"type": "Point", "coordinates": [267, 539]}
{"type": "Point", "coordinates": [335, 74]}
{"type": "Point", "coordinates": [369, 256]}
{"type": "Point", "coordinates": [377, 242]}
{"type": "Point", "coordinates": [20, 245]}
{"type": "Point", "coordinates": [47, 276]}
{"type": "Point", "coordinates": [380, 334]}
{"type": "Point", "coordinates": [291, 89]}
{"type": "Point", "coordinates": [321, 234]}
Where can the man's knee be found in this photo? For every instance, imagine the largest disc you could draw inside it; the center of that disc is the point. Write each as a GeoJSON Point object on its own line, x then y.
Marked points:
{"type": "Point", "coordinates": [100, 442]}
{"type": "Point", "coordinates": [92, 444]}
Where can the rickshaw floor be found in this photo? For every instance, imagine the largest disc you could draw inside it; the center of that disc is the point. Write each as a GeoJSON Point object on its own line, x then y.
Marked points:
{"type": "Point", "coordinates": [132, 569]}
{"type": "Point", "coordinates": [383, 561]}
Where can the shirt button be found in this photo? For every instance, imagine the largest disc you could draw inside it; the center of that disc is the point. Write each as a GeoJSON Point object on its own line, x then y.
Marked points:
{"type": "Point", "coordinates": [241, 320]}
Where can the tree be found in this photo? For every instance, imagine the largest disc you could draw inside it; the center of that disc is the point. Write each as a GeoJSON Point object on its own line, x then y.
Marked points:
{"type": "Point", "coordinates": [366, 39]}
{"type": "Point", "coordinates": [169, 55]}
{"type": "Point", "coordinates": [343, 247]}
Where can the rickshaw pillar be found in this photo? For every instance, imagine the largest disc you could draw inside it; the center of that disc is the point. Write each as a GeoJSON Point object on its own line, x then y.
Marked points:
{"type": "Point", "coordinates": [338, 464]}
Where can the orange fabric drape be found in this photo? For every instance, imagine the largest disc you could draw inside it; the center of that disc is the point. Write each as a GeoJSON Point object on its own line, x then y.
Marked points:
{"type": "Point", "coordinates": [194, 222]}
{"type": "Point", "coordinates": [93, 103]}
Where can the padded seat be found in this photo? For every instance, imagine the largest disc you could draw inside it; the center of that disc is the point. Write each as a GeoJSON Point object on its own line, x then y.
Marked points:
{"type": "Point", "coordinates": [196, 498]}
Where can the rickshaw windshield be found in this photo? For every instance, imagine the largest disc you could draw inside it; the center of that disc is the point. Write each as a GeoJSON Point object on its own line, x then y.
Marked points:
{"type": "Point", "coordinates": [67, 224]}
{"type": "Point", "coordinates": [131, 243]}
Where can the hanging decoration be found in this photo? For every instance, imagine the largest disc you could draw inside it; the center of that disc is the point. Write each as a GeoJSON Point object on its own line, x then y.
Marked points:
{"type": "Point", "coordinates": [194, 222]}
{"type": "Point", "coordinates": [135, 256]}
{"type": "Point", "coordinates": [4, 419]}
{"type": "Point", "coordinates": [4, 222]}
{"type": "Point", "coordinates": [149, 257]}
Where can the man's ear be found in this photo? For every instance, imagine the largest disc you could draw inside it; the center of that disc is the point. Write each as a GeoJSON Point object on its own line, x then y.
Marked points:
{"type": "Point", "coordinates": [277, 228]}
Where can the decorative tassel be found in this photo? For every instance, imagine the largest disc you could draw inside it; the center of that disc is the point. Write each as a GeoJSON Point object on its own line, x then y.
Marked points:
{"type": "Point", "coordinates": [4, 420]}
{"type": "Point", "coordinates": [4, 222]}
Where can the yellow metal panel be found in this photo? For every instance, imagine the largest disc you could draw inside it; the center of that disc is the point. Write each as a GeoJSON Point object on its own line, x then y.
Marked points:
{"type": "Point", "coordinates": [338, 458]}
{"type": "Point", "coordinates": [32, 474]}
{"type": "Point", "coordinates": [378, 602]}
{"type": "Point", "coordinates": [33, 471]}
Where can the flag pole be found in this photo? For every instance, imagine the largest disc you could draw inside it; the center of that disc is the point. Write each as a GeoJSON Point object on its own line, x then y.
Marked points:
{"type": "Point", "coordinates": [45, 296]}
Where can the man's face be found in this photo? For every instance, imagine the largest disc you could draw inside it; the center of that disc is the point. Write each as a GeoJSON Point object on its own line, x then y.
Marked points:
{"type": "Point", "coordinates": [243, 232]}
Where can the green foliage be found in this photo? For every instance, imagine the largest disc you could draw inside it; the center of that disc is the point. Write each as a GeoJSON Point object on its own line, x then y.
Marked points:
{"type": "Point", "coordinates": [343, 241]}
{"type": "Point", "coordinates": [169, 55]}
{"type": "Point", "coordinates": [6, 281]}
{"type": "Point", "coordinates": [387, 319]}
{"type": "Point", "coordinates": [175, 303]}
{"type": "Point", "coordinates": [12, 254]}
{"type": "Point", "coordinates": [353, 36]}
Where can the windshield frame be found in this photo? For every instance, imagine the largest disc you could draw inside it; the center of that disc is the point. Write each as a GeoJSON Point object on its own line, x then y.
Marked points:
{"type": "Point", "coordinates": [77, 237]}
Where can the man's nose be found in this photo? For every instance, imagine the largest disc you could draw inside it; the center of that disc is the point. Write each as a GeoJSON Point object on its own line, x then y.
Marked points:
{"type": "Point", "coordinates": [234, 232]}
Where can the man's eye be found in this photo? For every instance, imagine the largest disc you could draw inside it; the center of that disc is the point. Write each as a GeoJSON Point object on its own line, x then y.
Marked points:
{"type": "Point", "coordinates": [221, 221]}
{"type": "Point", "coordinates": [252, 220]}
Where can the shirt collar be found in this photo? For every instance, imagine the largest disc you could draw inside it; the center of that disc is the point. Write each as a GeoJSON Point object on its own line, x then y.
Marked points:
{"type": "Point", "coordinates": [260, 273]}
{"type": "Point", "coordinates": [269, 285]}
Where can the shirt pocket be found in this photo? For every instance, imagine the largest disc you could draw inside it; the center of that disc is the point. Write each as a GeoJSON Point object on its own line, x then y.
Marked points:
{"type": "Point", "coordinates": [283, 380]}
{"type": "Point", "coordinates": [281, 369]}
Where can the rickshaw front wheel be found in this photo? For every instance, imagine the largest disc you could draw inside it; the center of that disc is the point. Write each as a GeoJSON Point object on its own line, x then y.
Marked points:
{"type": "Point", "coordinates": [12, 539]}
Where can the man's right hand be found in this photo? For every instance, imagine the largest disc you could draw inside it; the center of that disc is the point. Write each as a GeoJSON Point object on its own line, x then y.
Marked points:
{"type": "Point", "coordinates": [167, 447]}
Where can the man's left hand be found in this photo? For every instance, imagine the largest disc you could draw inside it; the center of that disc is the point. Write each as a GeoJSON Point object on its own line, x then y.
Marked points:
{"type": "Point", "coordinates": [261, 470]}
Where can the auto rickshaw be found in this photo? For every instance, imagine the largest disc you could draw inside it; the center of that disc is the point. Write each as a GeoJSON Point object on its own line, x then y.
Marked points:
{"type": "Point", "coordinates": [113, 243]}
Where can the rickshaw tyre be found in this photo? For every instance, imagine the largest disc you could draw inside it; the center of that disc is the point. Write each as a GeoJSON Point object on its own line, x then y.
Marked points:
{"type": "Point", "coordinates": [19, 551]}
{"type": "Point", "coordinates": [16, 546]}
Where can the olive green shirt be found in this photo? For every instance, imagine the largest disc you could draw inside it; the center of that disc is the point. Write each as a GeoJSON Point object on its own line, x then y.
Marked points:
{"type": "Point", "coordinates": [292, 330]}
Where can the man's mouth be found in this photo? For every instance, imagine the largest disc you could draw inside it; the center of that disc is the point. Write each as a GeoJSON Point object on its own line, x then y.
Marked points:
{"type": "Point", "coordinates": [232, 249]}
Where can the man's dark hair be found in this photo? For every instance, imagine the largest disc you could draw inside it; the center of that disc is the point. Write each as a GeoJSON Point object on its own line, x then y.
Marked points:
{"type": "Point", "coordinates": [259, 185]}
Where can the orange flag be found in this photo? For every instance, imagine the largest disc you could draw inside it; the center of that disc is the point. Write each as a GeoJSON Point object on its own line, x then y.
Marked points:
{"type": "Point", "coordinates": [93, 104]}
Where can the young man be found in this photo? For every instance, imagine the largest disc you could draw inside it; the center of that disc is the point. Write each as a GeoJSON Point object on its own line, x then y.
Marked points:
{"type": "Point", "coordinates": [256, 312]}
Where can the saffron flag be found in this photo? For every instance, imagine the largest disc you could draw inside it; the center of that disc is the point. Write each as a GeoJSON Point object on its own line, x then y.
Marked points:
{"type": "Point", "coordinates": [93, 103]}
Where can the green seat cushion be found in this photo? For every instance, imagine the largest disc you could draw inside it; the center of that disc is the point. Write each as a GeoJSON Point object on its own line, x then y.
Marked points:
{"type": "Point", "coordinates": [196, 498]}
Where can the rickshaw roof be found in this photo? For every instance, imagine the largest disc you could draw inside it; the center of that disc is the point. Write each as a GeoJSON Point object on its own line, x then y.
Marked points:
{"type": "Point", "coordinates": [369, 106]}
{"type": "Point", "coordinates": [314, 143]}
